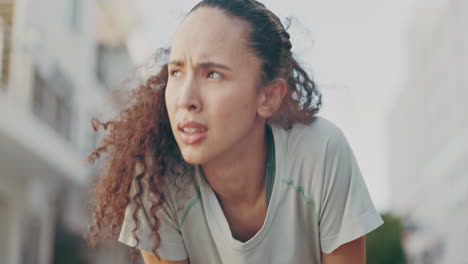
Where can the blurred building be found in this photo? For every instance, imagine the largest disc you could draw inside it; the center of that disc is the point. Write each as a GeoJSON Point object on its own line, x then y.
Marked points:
{"type": "Point", "coordinates": [56, 70]}
{"type": "Point", "coordinates": [429, 138]}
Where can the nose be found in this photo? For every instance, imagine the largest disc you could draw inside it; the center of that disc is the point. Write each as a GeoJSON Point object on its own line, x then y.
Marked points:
{"type": "Point", "coordinates": [189, 97]}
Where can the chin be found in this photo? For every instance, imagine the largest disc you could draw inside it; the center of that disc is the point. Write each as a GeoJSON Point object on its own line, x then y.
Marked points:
{"type": "Point", "coordinates": [193, 158]}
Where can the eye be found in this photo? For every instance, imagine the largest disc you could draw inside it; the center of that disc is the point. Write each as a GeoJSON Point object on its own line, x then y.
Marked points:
{"type": "Point", "coordinates": [175, 73]}
{"type": "Point", "coordinates": [214, 75]}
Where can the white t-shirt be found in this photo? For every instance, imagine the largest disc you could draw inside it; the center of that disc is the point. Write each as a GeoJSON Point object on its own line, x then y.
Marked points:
{"type": "Point", "coordinates": [319, 202]}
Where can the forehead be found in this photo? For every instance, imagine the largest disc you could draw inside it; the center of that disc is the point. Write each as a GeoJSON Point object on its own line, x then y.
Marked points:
{"type": "Point", "coordinates": [209, 33]}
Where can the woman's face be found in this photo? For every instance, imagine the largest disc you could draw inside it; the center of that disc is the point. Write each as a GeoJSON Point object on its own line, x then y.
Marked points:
{"type": "Point", "coordinates": [212, 91]}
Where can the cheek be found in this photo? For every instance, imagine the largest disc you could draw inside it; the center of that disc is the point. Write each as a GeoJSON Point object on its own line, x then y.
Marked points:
{"type": "Point", "coordinates": [169, 98]}
{"type": "Point", "coordinates": [230, 107]}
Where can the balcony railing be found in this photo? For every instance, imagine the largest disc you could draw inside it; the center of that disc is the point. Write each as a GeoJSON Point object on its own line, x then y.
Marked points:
{"type": "Point", "coordinates": [6, 20]}
{"type": "Point", "coordinates": [52, 102]}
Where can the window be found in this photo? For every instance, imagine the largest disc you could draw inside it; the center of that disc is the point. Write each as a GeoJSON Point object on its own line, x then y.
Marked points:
{"type": "Point", "coordinates": [4, 232]}
{"type": "Point", "coordinates": [457, 192]}
{"type": "Point", "coordinates": [75, 16]}
{"type": "Point", "coordinates": [112, 63]}
{"type": "Point", "coordinates": [30, 239]}
{"type": "Point", "coordinates": [52, 102]}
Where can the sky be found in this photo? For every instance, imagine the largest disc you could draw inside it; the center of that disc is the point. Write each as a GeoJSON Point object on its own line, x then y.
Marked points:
{"type": "Point", "coordinates": [355, 51]}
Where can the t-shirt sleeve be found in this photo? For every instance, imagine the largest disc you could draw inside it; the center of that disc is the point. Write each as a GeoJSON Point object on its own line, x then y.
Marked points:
{"type": "Point", "coordinates": [171, 245]}
{"type": "Point", "coordinates": [346, 209]}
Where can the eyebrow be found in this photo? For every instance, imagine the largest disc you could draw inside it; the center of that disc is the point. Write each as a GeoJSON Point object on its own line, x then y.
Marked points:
{"type": "Point", "coordinates": [203, 65]}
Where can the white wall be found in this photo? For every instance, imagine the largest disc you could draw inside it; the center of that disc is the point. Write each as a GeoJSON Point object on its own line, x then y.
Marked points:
{"type": "Point", "coordinates": [11, 213]}
{"type": "Point", "coordinates": [4, 223]}
{"type": "Point", "coordinates": [429, 127]}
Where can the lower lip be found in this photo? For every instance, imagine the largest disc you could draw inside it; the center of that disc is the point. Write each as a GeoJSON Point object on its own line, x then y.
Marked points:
{"type": "Point", "coordinates": [193, 138]}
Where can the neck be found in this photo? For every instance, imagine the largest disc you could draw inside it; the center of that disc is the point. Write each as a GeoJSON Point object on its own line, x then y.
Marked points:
{"type": "Point", "coordinates": [237, 176]}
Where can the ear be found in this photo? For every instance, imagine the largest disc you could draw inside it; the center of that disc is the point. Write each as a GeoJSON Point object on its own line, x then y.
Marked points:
{"type": "Point", "coordinates": [271, 97]}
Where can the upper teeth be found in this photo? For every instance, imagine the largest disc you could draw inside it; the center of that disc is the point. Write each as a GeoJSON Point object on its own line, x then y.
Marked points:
{"type": "Point", "coordinates": [192, 130]}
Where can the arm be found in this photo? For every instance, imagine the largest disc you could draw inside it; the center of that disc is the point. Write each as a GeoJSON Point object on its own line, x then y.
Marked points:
{"type": "Point", "coordinates": [353, 252]}
{"type": "Point", "coordinates": [152, 259]}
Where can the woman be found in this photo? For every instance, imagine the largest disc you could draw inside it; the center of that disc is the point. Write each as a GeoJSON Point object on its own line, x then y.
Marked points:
{"type": "Point", "coordinates": [221, 159]}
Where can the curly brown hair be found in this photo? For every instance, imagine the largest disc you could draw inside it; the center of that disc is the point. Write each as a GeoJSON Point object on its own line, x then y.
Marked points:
{"type": "Point", "coordinates": [141, 137]}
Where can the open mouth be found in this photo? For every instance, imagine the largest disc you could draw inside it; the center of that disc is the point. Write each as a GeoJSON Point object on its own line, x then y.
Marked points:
{"type": "Point", "coordinates": [192, 132]}
{"type": "Point", "coordinates": [188, 130]}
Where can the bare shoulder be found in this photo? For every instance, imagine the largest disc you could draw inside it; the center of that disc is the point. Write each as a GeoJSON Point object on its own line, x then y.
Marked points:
{"type": "Point", "coordinates": [150, 258]}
